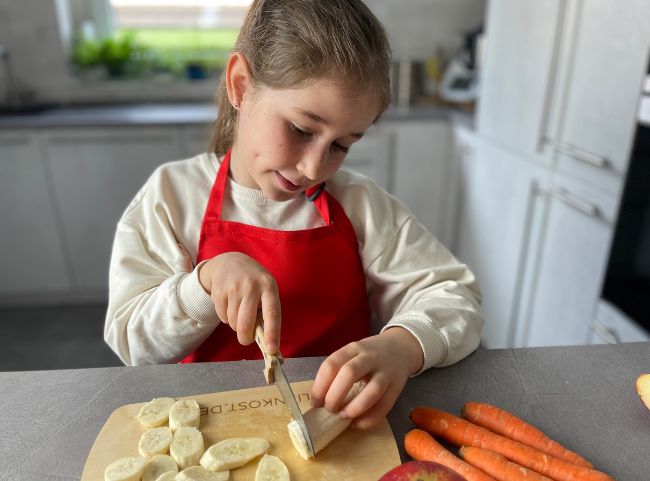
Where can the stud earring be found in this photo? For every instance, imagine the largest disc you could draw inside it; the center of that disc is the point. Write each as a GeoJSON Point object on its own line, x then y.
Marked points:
{"type": "Point", "coordinates": [236, 105]}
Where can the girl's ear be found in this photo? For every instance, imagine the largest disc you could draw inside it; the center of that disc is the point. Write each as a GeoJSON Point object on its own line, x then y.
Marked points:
{"type": "Point", "coordinates": [238, 79]}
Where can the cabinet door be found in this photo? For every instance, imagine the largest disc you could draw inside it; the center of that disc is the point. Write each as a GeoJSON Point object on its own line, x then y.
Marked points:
{"type": "Point", "coordinates": [566, 282]}
{"type": "Point", "coordinates": [603, 82]}
{"type": "Point", "coordinates": [497, 216]}
{"type": "Point", "coordinates": [96, 173]}
{"type": "Point", "coordinates": [422, 161]}
{"type": "Point", "coordinates": [32, 261]}
{"type": "Point", "coordinates": [371, 156]}
{"type": "Point", "coordinates": [518, 72]}
{"type": "Point", "coordinates": [194, 140]}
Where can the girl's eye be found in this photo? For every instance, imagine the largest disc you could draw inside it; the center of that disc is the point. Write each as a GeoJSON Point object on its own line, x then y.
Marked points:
{"type": "Point", "coordinates": [299, 132]}
{"type": "Point", "coordinates": [304, 135]}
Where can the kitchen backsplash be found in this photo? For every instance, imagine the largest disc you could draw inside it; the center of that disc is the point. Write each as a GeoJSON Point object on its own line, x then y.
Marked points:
{"type": "Point", "coordinates": [29, 30]}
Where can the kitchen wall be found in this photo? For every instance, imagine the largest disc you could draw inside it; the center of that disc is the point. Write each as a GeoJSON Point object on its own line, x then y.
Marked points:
{"type": "Point", "coordinates": [29, 29]}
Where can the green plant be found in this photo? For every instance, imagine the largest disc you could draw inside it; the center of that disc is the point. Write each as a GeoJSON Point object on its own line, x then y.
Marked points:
{"type": "Point", "coordinates": [119, 55]}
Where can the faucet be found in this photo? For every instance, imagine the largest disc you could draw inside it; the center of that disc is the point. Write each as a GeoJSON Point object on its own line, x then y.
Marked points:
{"type": "Point", "coordinates": [16, 96]}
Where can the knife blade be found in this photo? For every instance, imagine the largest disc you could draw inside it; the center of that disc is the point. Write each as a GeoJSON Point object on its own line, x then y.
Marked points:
{"type": "Point", "coordinates": [274, 373]}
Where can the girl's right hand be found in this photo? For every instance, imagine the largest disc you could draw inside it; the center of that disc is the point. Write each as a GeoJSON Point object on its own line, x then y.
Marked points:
{"type": "Point", "coordinates": [238, 284]}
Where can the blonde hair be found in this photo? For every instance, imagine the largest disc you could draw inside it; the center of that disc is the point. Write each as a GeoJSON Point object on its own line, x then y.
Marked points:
{"type": "Point", "coordinates": [289, 42]}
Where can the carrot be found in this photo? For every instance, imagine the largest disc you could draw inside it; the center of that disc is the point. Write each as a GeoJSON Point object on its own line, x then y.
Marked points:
{"type": "Point", "coordinates": [507, 424]}
{"type": "Point", "coordinates": [498, 466]}
{"type": "Point", "coordinates": [421, 446]}
{"type": "Point", "coordinates": [463, 433]}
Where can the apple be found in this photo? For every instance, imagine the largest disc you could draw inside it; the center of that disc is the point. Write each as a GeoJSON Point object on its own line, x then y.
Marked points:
{"type": "Point", "coordinates": [421, 471]}
{"type": "Point", "coordinates": [643, 388]}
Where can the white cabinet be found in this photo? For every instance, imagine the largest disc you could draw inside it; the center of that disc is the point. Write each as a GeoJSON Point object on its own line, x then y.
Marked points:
{"type": "Point", "coordinates": [611, 326]}
{"type": "Point", "coordinates": [372, 155]}
{"type": "Point", "coordinates": [602, 76]}
{"type": "Point", "coordinates": [95, 174]}
{"type": "Point", "coordinates": [421, 168]}
{"type": "Point", "coordinates": [518, 73]}
{"type": "Point", "coordinates": [497, 215]}
{"type": "Point", "coordinates": [566, 278]}
{"type": "Point", "coordinates": [33, 258]}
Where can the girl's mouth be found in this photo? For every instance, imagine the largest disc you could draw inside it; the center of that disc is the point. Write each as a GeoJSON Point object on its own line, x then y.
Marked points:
{"type": "Point", "coordinates": [287, 184]}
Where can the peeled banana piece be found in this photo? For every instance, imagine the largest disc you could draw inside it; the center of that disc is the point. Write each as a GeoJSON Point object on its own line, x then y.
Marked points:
{"type": "Point", "coordinates": [185, 412]}
{"type": "Point", "coordinates": [271, 468]}
{"type": "Point", "coordinates": [156, 412]}
{"type": "Point", "coordinates": [168, 476]}
{"type": "Point", "coordinates": [155, 441]}
{"type": "Point", "coordinates": [187, 446]}
{"type": "Point", "coordinates": [159, 464]}
{"type": "Point", "coordinates": [233, 453]}
{"type": "Point", "coordinates": [197, 473]}
{"type": "Point", "coordinates": [126, 469]}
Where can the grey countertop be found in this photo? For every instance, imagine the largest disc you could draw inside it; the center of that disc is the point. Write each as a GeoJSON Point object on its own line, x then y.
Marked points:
{"type": "Point", "coordinates": [174, 114]}
{"type": "Point", "coordinates": [583, 397]}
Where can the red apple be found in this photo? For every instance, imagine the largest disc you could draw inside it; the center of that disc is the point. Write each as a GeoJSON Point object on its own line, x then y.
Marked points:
{"type": "Point", "coordinates": [421, 471]}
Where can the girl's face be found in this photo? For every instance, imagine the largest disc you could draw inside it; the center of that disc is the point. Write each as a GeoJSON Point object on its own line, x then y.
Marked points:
{"type": "Point", "coordinates": [292, 139]}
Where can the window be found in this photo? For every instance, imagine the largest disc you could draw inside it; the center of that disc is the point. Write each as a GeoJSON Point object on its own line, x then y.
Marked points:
{"type": "Point", "coordinates": [168, 38]}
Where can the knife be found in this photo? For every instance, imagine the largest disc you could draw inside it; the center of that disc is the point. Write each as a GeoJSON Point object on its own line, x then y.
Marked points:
{"type": "Point", "coordinates": [274, 373]}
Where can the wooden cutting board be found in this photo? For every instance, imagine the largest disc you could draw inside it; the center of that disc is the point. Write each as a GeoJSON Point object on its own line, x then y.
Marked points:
{"type": "Point", "coordinates": [259, 412]}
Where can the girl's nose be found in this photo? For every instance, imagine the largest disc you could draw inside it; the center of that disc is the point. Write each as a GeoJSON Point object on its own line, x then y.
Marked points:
{"type": "Point", "coordinates": [313, 161]}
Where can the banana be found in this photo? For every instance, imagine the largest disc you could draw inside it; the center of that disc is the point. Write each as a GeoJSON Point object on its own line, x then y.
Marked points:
{"type": "Point", "coordinates": [156, 412]}
{"type": "Point", "coordinates": [155, 441]}
{"type": "Point", "coordinates": [185, 412]}
{"type": "Point", "coordinates": [271, 468]}
{"type": "Point", "coordinates": [126, 469]}
{"type": "Point", "coordinates": [168, 476]}
{"type": "Point", "coordinates": [187, 446]}
{"type": "Point", "coordinates": [233, 453]}
{"type": "Point", "coordinates": [159, 464]}
{"type": "Point", "coordinates": [197, 473]}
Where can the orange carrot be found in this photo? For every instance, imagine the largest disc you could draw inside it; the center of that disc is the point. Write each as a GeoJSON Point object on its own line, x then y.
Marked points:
{"type": "Point", "coordinates": [497, 466]}
{"type": "Point", "coordinates": [507, 424]}
{"type": "Point", "coordinates": [463, 433]}
{"type": "Point", "coordinates": [421, 446]}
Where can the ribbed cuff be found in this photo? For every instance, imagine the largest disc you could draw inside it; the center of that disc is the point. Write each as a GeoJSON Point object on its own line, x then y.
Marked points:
{"type": "Point", "coordinates": [433, 342]}
{"type": "Point", "coordinates": [193, 299]}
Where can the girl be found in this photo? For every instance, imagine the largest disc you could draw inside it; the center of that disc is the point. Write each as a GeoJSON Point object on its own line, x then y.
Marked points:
{"type": "Point", "coordinates": [252, 227]}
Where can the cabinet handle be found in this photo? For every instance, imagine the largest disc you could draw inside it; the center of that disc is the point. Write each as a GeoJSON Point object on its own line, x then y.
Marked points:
{"type": "Point", "coordinates": [578, 154]}
{"type": "Point", "coordinates": [572, 201]}
{"type": "Point", "coordinates": [606, 334]}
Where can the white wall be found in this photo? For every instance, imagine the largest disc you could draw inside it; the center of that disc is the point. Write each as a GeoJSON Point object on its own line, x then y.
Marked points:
{"type": "Point", "coordinates": [30, 30]}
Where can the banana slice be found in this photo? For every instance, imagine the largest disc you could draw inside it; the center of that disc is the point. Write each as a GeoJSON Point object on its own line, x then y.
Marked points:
{"type": "Point", "coordinates": [155, 441]}
{"type": "Point", "coordinates": [159, 464]}
{"type": "Point", "coordinates": [185, 412]}
{"type": "Point", "coordinates": [197, 473]}
{"type": "Point", "coordinates": [271, 468]}
{"type": "Point", "coordinates": [233, 453]}
{"type": "Point", "coordinates": [168, 476]}
{"type": "Point", "coordinates": [156, 412]}
{"type": "Point", "coordinates": [126, 469]}
{"type": "Point", "coordinates": [187, 446]}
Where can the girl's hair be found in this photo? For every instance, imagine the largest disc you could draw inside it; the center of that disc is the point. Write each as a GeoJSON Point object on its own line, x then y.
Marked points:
{"type": "Point", "coordinates": [289, 42]}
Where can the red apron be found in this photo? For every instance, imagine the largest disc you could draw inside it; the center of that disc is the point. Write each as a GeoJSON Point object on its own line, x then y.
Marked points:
{"type": "Point", "coordinates": [323, 296]}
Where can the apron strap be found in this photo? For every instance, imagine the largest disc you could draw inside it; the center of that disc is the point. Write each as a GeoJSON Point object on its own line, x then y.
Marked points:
{"type": "Point", "coordinates": [313, 194]}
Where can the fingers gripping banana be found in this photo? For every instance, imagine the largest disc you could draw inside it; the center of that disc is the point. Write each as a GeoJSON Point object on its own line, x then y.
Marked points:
{"type": "Point", "coordinates": [126, 469]}
{"type": "Point", "coordinates": [233, 453]}
{"type": "Point", "coordinates": [155, 441]}
{"type": "Point", "coordinates": [159, 464]}
{"type": "Point", "coordinates": [197, 473]}
{"type": "Point", "coordinates": [185, 412]}
{"type": "Point", "coordinates": [187, 446]}
{"type": "Point", "coordinates": [156, 412]}
{"type": "Point", "coordinates": [271, 468]}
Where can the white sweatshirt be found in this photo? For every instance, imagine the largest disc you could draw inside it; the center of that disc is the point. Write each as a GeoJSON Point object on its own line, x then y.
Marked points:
{"type": "Point", "coordinates": [159, 313]}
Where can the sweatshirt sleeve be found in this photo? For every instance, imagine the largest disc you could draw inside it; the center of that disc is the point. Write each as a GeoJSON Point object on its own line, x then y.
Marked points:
{"type": "Point", "coordinates": [413, 281]}
{"type": "Point", "coordinates": [157, 310]}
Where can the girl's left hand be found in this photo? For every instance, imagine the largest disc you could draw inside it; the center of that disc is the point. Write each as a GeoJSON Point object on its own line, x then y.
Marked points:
{"type": "Point", "coordinates": [384, 362]}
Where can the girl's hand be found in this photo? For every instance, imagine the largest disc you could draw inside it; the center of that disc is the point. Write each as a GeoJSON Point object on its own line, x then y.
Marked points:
{"type": "Point", "coordinates": [384, 362]}
{"type": "Point", "coordinates": [237, 285]}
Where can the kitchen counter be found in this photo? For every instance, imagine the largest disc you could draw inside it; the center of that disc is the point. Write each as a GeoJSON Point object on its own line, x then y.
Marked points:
{"type": "Point", "coordinates": [171, 114]}
{"type": "Point", "coordinates": [583, 397]}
